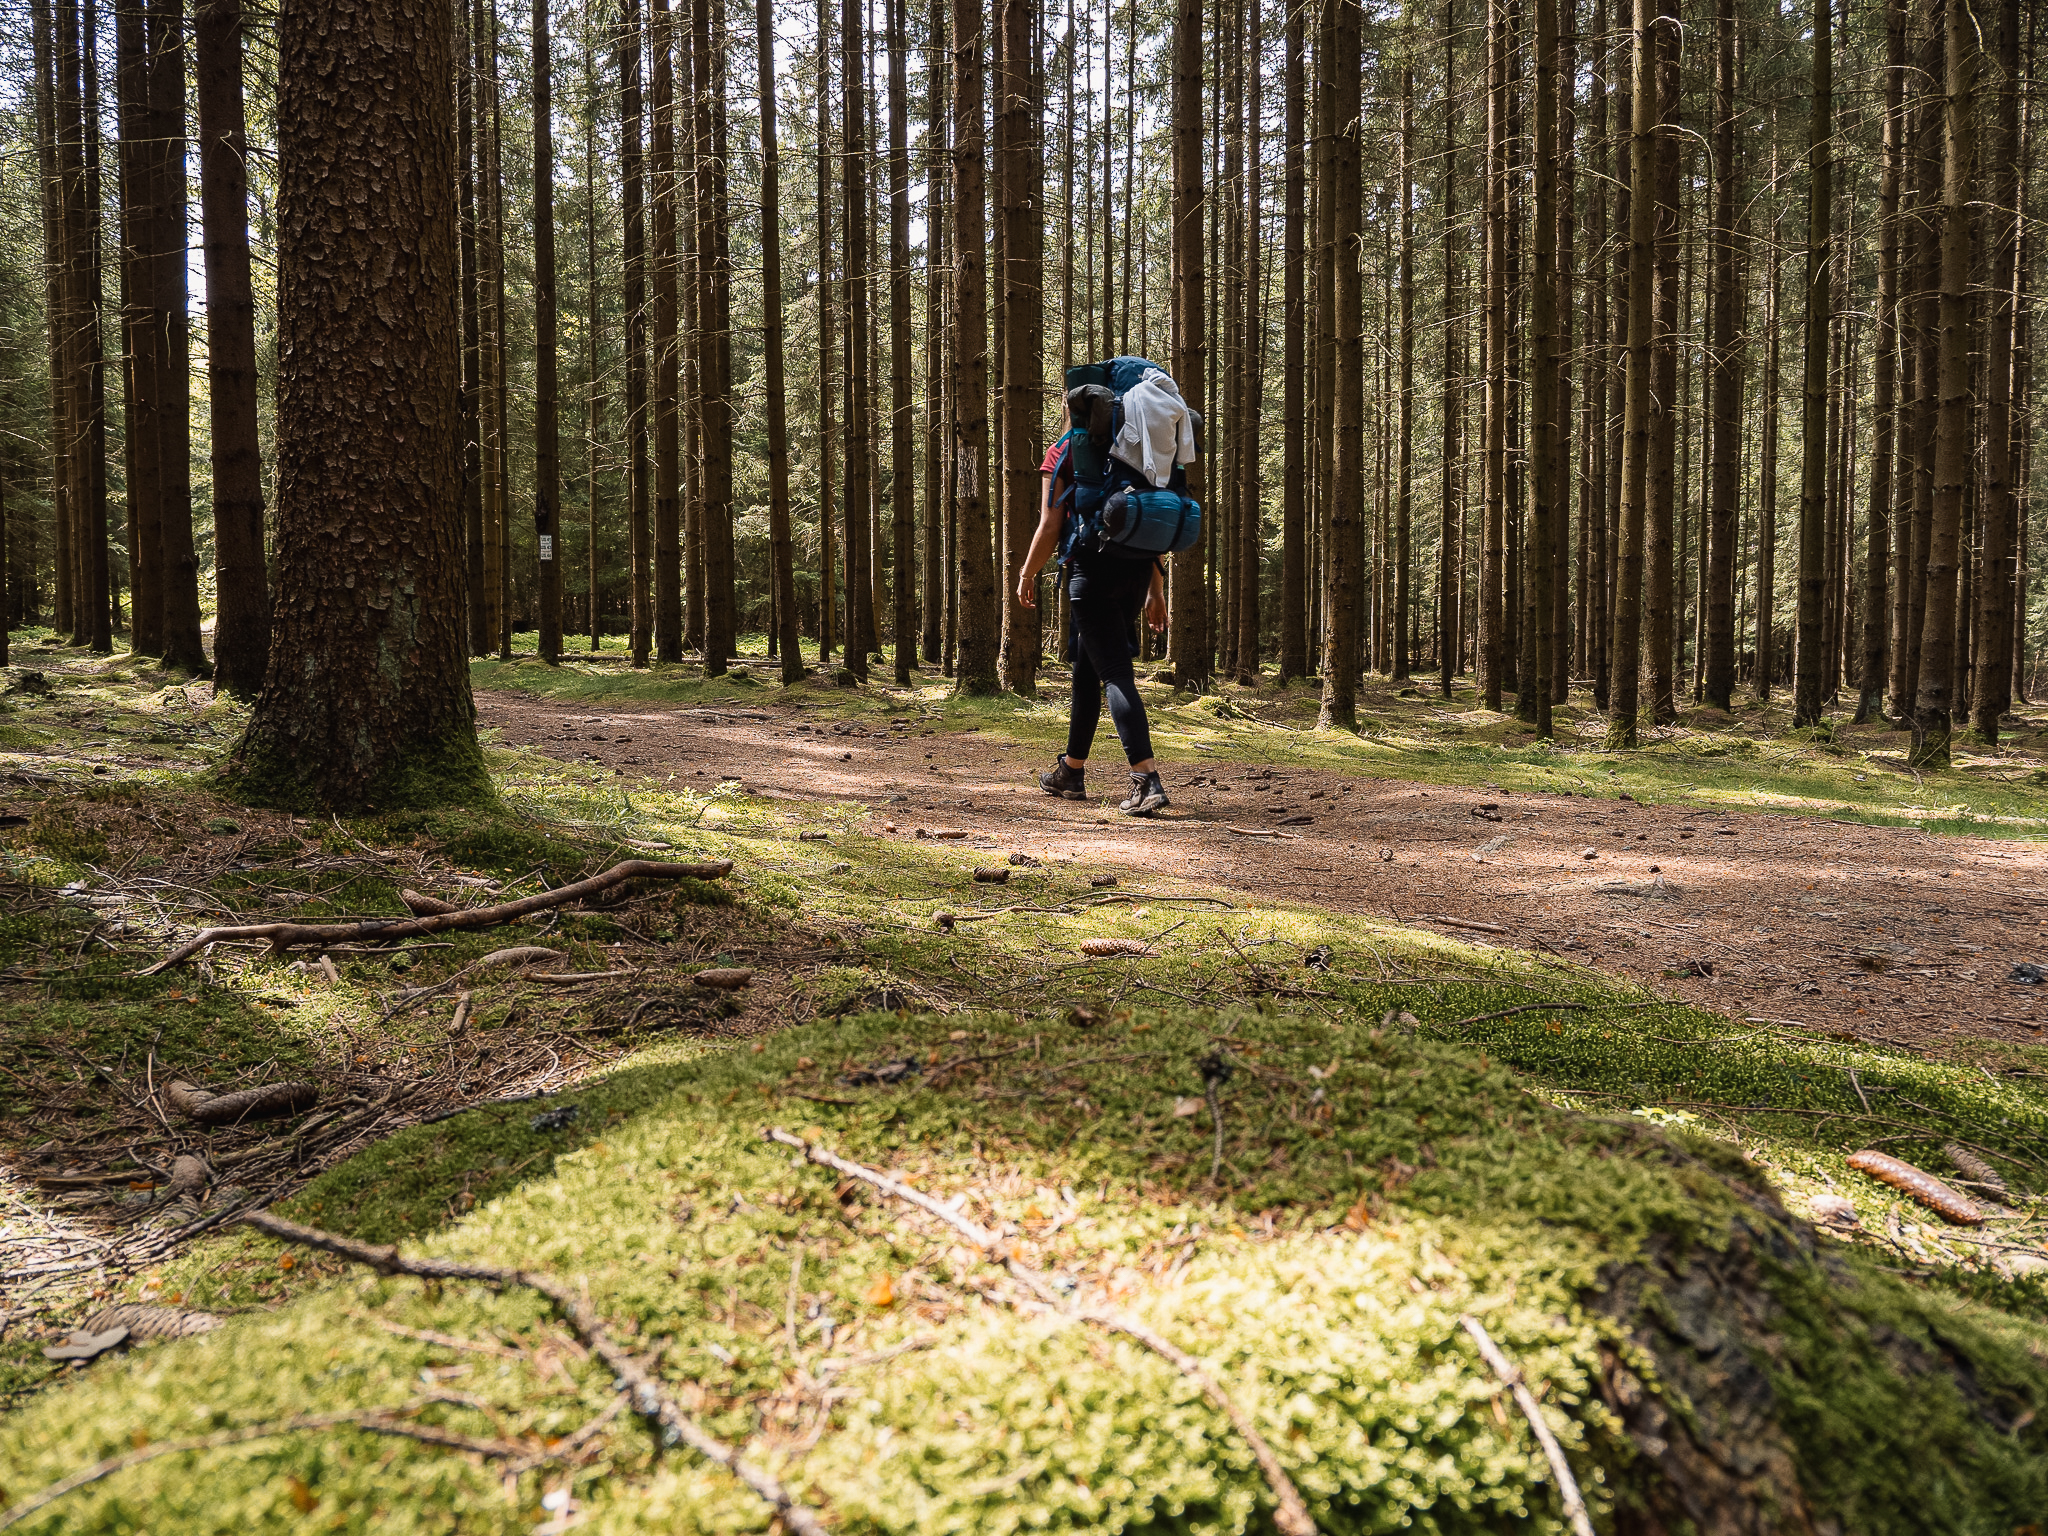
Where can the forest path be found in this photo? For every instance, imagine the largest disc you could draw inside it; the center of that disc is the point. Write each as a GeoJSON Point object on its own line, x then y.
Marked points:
{"type": "Point", "coordinates": [1893, 933]}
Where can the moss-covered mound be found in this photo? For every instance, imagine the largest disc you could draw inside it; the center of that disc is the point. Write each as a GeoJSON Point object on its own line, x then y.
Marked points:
{"type": "Point", "coordinates": [1707, 1365]}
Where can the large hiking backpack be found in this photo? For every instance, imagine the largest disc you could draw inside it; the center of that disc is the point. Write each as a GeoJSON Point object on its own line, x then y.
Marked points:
{"type": "Point", "coordinates": [1110, 508]}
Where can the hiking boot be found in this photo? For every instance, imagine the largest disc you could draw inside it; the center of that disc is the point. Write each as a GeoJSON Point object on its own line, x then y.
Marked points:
{"type": "Point", "coordinates": [1147, 795]}
{"type": "Point", "coordinates": [1065, 780]}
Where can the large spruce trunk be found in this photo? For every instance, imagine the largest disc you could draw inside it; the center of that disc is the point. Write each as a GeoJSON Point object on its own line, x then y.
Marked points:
{"type": "Point", "coordinates": [366, 701]}
{"type": "Point", "coordinates": [241, 637]}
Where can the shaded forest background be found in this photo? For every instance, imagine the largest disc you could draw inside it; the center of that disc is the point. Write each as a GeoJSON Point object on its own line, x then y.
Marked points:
{"type": "Point", "coordinates": [1467, 387]}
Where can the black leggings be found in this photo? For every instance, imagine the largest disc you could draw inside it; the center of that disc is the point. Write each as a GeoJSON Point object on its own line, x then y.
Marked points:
{"type": "Point", "coordinates": [1107, 599]}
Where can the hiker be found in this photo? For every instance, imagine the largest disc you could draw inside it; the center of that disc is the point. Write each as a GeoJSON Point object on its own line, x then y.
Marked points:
{"type": "Point", "coordinates": [1112, 575]}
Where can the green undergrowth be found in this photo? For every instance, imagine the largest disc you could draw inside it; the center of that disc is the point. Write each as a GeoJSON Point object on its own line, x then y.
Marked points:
{"type": "Point", "coordinates": [1375, 1189]}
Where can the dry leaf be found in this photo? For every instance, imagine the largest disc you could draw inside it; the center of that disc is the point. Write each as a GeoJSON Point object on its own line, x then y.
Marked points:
{"type": "Point", "coordinates": [882, 1293]}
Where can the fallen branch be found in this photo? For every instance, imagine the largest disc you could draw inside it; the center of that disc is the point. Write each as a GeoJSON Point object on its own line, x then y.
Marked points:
{"type": "Point", "coordinates": [286, 936]}
{"type": "Point", "coordinates": [1289, 837]}
{"type": "Point", "coordinates": [378, 1421]}
{"type": "Point", "coordinates": [264, 1103]}
{"type": "Point", "coordinates": [1457, 922]}
{"type": "Point", "coordinates": [1292, 1516]}
{"type": "Point", "coordinates": [1567, 1485]}
{"type": "Point", "coordinates": [649, 1398]}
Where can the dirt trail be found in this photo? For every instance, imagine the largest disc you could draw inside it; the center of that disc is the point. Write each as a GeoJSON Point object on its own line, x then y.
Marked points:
{"type": "Point", "coordinates": [1892, 933]}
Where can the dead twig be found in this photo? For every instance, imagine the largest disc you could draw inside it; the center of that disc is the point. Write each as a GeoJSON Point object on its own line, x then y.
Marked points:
{"type": "Point", "coordinates": [649, 1397]}
{"type": "Point", "coordinates": [1567, 1485]}
{"type": "Point", "coordinates": [284, 936]}
{"type": "Point", "coordinates": [1292, 1516]}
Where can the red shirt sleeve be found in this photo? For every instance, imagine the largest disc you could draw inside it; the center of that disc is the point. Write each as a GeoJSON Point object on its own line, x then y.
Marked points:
{"type": "Point", "coordinates": [1052, 456]}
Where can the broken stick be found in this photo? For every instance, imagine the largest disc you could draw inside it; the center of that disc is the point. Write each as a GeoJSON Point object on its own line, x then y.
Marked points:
{"type": "Point", "coordinates": [649, 1397]}
{"type": "Point", "coordinates": [1292, 1516]}
{"type": "Point", "coordinates": [286, 936]}
{"type": "Point", "coordinates": [1567, 1485]}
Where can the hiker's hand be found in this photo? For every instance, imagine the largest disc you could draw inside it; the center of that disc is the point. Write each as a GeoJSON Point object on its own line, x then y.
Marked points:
{"type": "Point", "coordinates": [1027, 588]}
{"type": "Point", "coordinates": [1155, 611]}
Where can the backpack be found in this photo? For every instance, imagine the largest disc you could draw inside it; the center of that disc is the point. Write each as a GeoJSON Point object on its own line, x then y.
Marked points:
{"type": "Point", "coordinates": [1109, 507]}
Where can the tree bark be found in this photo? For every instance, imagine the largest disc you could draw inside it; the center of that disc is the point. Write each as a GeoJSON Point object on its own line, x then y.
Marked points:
{"type": "Point", "coordinates": [1347, 470]}
{"type": "Point", "coordinates": [661, 176]}
{"type": "Point", "coordinates": [1451, 514]}
{"type": "Point", "coordinates": [902, 409]}
{"type": "Point", "coordinates": [1532, 701]}
{"type": "Point", "coordinates": [1998, 509]}
{"type": "Point", "coordinates": [1492, 656]}
{"type": "Point", "coordinates": [143, 335]}
{"type": "Point", "coordinates": [241, 639]}
{"type": "Point", "coordinates": [781, 553]}
{"type": "Point", "coordinates": [635, 253]}
{"type": "Point", "coordinates": [1625, 690]}
{"type": "Point", "coordinates": [1190, 651]}
{"type": "Point", "coordinates": [1405, 454]}
{"type": "Point", "coordinates": [937, 422]}
{"type": "Point", "coordinates": [547, 446]}
{"type": "Point", "coordinates": [714, 321]}
{"type": "Point", "coordinates": [1294, 571]}
{"type": "Point", "coordinates": [367, 699]}
{"type": "Point", "coordinates": [1809, 681]}
{"type": "Point", "coordinates": [469, 252]}
{"type": "Point", "coordinates": [979, 639]}
{"type": "Point", "coordinates": [1022, 278]}
{"type": "Point", "coordinates": [1934, 703]}
{"type": "Point", "coordinates": [1660, 611]}
{"type": "Point", "coordinates": [1878, 589]}
{"type": "Point", "coordinates": [1725, 363]}
{"type": "Point", "coordinates": [853, 174]}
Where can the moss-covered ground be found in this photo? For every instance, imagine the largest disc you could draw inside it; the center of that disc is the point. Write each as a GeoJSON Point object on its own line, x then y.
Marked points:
{"type": "Point", "coordinates": [1395, 1130]}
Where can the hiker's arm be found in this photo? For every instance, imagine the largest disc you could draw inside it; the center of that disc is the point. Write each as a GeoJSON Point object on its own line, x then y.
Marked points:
{"type": "Point", "coordinates": [1043, 543]}
{"type": "Point", "coordinates": [1155, 600]}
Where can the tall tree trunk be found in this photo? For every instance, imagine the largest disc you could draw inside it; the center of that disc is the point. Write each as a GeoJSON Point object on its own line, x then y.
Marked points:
{"type": "Point", "coordinates": [1405, 453]}
{"type": "Point", "coordinates": [1934, 704]}
{"type": "Point", "coordinates": [1878, 590]}
{"type": "Point", "coordinates": [1022, 275]}
{"type": "Point", "coordinates": [241, 639]}
{"type": "Point", "coordinates": [367, 700]}
{"type": "Point", "coordinates": [853, 176]}
{"type": "Point", "coordinates": [1809, 683]}
{"type": "Point", "coordinates": [1294, 427]}
{"type": "Point", "coordinates": [1347, 470]}
{"type": "Point", "coordinates": [1595, 585]}
{"type": "Point", "coordinates": [902, 409]}
{"type": "Point", "coordinates": [1188, 579]}
{"type": "Point", "coordinates": [714, 321]}
{"type": "Point", "coordinates": [662, 179]}
{"type": "Point", "coordinates": [141, 159]}
{"type": "Point", "coordinates": [592, 334]}
{"type": "Point", "coordinates": [1451, 517]}
{"type": "Point", "coordinates": [1660, 612]}
{"type": "Point", "coordinates": [631, 171]}
{"type": "Point", "coordinates": [937, 422]}
{"type": "Point", "coordinates": [975, 670]}
{"type": "Point", "coordinates": [469, 155]}
{"type": "Point", "coordinates": [547, 446]}
{"type": "Point", "coordinates": [828, 596]}
{"type": "Point", "coordinates": [1563, 473]}
{"type": "Point", "coordinates": [1250, 520]}
{"type": "Point", "coordinates": [1532, 702]}
{"type": "Point", "coordinates": [493, 320]}
{"type": "Point", "coordinates": [91, 617]}
{"type": "Point", "coordinates": [1923, 335]}
{"type": "Point", "coordinates": [781, 556]}
{"type": "Point", "coordinates": [1492, 657]}
{"type": "Point", "coordinates": [1725, 363]}
{"type": "Point", "coordinates": [1998, 509]}
{"type": "Point", "coordinates": [1625, 690]}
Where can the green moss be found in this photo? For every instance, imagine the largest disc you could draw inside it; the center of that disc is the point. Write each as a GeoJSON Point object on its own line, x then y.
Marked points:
{"type": "Point", "coordinates": [1324, 1283]}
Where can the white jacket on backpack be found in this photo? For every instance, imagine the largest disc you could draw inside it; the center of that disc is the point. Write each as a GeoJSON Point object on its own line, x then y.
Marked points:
{"type": "Point", "coordinates": [1158, 432]}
